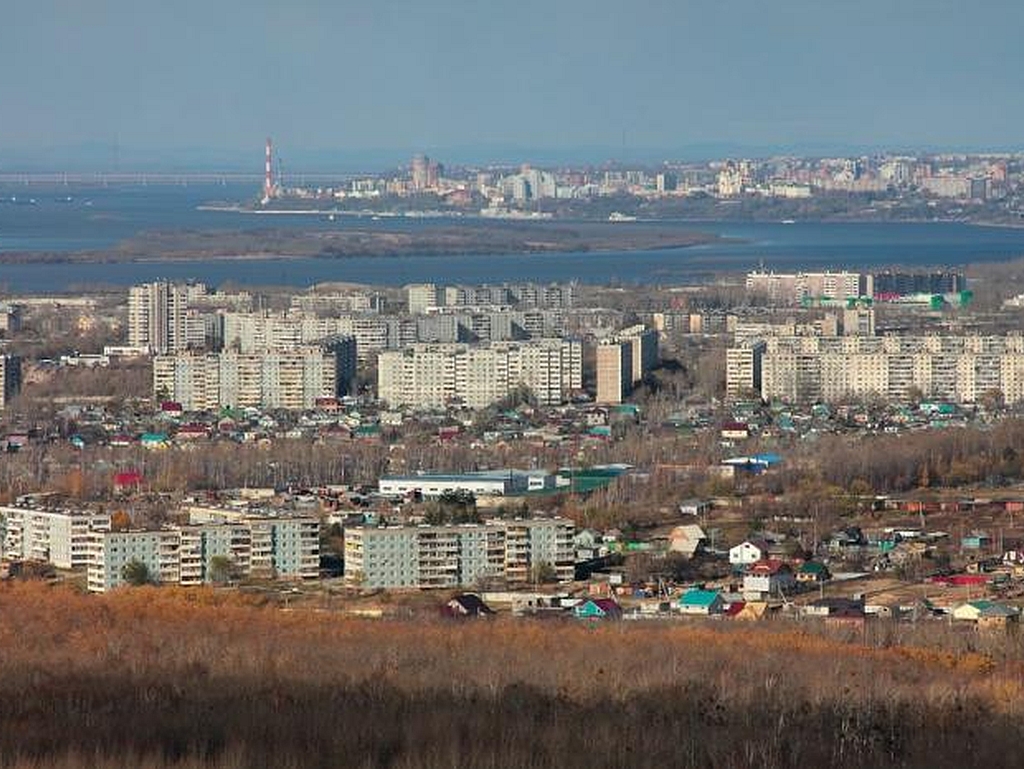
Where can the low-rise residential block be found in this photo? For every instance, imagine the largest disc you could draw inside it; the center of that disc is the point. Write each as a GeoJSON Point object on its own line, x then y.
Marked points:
{"type": "Point", "coordinates": [512, 551]}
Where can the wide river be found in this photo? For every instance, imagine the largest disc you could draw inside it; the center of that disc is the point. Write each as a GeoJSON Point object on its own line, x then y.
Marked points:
{"type": "Point", "coordinates": [49, 219]}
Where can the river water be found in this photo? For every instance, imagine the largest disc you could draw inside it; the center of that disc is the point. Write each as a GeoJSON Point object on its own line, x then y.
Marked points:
{"type": "Point", "coordinates": [57, 219]}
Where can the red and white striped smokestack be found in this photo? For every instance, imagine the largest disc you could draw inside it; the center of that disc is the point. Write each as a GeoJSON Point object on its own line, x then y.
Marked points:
{"type": "Point", "coordinates": [268, 181]}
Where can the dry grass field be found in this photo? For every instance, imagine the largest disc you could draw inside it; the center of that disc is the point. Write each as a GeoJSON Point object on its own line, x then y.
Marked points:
{"type": "Point", "coordinates": [160, 677]}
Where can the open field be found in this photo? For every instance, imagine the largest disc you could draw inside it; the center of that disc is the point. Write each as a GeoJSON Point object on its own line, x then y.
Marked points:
{"type": "Point", "coordinates": [163, 677]}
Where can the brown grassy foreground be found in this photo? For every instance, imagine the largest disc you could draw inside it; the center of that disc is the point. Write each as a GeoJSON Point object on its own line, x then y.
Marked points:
{"type": "Point", "coordinates": [158, 678]}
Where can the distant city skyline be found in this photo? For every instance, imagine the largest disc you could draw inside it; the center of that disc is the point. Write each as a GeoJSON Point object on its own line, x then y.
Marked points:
{"type": "Point", "coordinates": [360, 85]}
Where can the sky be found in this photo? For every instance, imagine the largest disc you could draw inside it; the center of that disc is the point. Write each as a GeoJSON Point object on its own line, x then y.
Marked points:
{"type": "Point", "coordinates": [205, 81]}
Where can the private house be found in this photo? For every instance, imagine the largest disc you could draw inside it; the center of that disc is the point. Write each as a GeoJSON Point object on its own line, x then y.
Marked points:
{"type": "Point", "coordinates": [154, 440]}
{"type": "Point", "coordinates": [976, 540]}
{"type": "Point", "coordinates": [768, 577]}
{"type": "Point", "coordinates": [701, 602]}
{"type": "Point", "coordinates": [836, 609]}
{"type": "Point", "coordinates": [887, 611]}
{"type": "Point", "coordinates": [986, 613]}
{"type": "Point", "coordinates": [735, 431]}
{"type": "Point", "coordinates": [844, 539]}
{"type": "Point", "coordinates": [466, 605]}
{"type": "Point", "coordinates": [598, 608]}
{"type": "Point", "coordinates": [192, 432]}
{"type": "Point", "coordinates": [812, 572]}
{"type": "Point", "coordinates": [687, 540]}
{"type": "Point", "coordinates": [695, 507]}
{"type": "Point", "coordinates": [734, 608]}
{"type": "Point", "coordinates": [589, 545]}
{"type": "Point", "coordinates": [751, 611]}
{"type": "Point", "coordinates": [748, 552]}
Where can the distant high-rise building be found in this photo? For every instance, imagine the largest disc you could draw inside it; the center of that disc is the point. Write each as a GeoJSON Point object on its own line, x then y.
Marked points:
{"type": "Point", "coordinates": [158, 317]}
{"type": "Point", "coordinates": [623, 361]}
{"type": "Point", "coordinates": [420, 172]}
{"type": "Point", "coordinates": [10, 375]}
{"type": "Point", "coordinates": [614, 360]}
{"type": "Point", "coordinates": [434, 171]}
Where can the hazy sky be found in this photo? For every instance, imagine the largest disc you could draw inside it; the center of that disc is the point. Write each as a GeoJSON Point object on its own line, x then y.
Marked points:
{"type": "Point", "coordinates": [534, 74]}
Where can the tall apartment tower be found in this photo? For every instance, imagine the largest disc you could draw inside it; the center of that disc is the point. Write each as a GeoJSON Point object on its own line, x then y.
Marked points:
{"type": "Point", "coordinates": [614, 366]}
{"type": "Point", "coordinates": [420, 166]}
{"type": "Point", "coordinates": [623, 362]}
{"type": "Point", "coordinates": [157, 317]}
{"type": "Point", "coordinates": [10, 377]}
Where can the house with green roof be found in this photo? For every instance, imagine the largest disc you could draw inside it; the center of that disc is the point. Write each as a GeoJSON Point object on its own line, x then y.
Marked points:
{"type": "Point", "coordinates": [986, 612]}
{"type": "Point", "coordinates": [813, 572]}
{"type": "Point", "coordinates": [701, 602]}
{"type": "Point", "coordinates": [598, 608]}
{"type": "Point", "coordinates": [154, 440]}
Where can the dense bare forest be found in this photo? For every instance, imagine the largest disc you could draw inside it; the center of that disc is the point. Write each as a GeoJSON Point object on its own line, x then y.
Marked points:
{"type": "Point", "coordinates": [160, 677]}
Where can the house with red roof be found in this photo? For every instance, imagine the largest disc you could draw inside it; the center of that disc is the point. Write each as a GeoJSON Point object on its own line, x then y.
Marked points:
{"type": "Point", "coordinates": [598, 608]}
{"type": "Point", "coordinates": [768, 577]}
{"type": "Point", "coordinates": [127, 480]}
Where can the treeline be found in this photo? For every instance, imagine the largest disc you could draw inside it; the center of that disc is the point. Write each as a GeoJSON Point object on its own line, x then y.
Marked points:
{"type": "Point", "coordinates": [161, 677]}
{"type": "Point", "coordinates": [943, 457]}
{"type": "Point", "coordinates": [89, 473]}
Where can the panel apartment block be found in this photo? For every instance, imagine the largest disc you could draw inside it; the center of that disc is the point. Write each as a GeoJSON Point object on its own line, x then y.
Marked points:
{"type": "Point", "coordinates": [458, 555]}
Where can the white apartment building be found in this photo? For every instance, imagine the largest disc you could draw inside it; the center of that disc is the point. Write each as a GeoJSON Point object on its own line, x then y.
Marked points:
{"type": "Point", "coordinates": [422, 296]}
{"type": "Point", "coordinates": [286, 379]}
{"type": "Point", "coordinates": [425, 376]}
{"type": "Point", "coordinates": [743, 369]}
{"type": "Point", "coordinates": [159, 318]}
{"type": "Point", "coordinates": [373, 332]}
{"type": "Point", "coordinates": [516, 295]}
{"type": "Point", "coordinates": [459, 554]}
{"type": "Point", "coordinates": [111, 551]}
{"type": "Point", "coordinates": [60, 537]}
{"type": "Point", "coordinates": [792, 288]}
{"type": "Point", "coordinates": [958, 369]}
{"type": "Point", "coordinates": [331, 302]}
{"type": "Point", "coordinates": [257, 547]}
{"type": "Point", "coordinates": [250, 332]}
